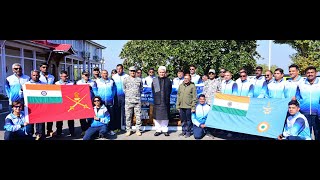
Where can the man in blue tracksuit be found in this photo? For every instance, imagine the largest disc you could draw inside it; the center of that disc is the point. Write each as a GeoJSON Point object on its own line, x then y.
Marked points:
{"type": "Point", "coordinates": [245, 87]}
{"type": "Point", "coordinates": [293, 81]}
{"type": "Point", "coordinates": [199, 117]}
{"type": "Point", "coordinates": [228, 86]}
{"type": "Point", "coordinates": [14, 83]}
{"type": "Point", "coordinates": [119, 98]}
{"type": "Point", "coordinates": [93, 91]}
{"type": "Point", "coordinates": [47, 78]}
{"type": "Point", "coordinates": [100, 121]}
{"type": "Point", "coordinates": [275, 89]}
{"type": "Point", "coordinates": [40, 127]}
{"type": "Point", "coordinates": [15, 125]}
{"type": "Point", "coordinates": [308, 95]}
{"type": "Point", "coordinates": [107, 91]}
{"type": "Point", "coordinates": [64, 80]}
{"type": "Point", "coordinates": [296, 126]}
{"type": "Point", "coordinates": [259, 83]}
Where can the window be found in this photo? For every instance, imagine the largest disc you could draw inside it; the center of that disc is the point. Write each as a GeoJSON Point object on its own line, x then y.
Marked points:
{"type": "Point", "coordinates": [13, 51]}
{"type": "Point", "coordinates": [41, 56]}
{"type": "Point", "coordinates": [28, 67]}
{"type": "Point", "coordinates": [28, 53]}
{"type": "Point", "coordinates": [76, 71]}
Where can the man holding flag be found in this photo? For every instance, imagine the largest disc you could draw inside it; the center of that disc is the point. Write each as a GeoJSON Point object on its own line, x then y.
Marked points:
{"type": "Point", "coordinates": [64, 80]}
{"type": "Point", "coordinates": [93, 91]}
{"type": "Point", "coordinates": [40, 127]}
{"type": "Point", "coordinates": [199, 117]}
{"type": "Point", "coordinates": [296, 126]}
{"type": "Point", "coordinates": [47, 78]}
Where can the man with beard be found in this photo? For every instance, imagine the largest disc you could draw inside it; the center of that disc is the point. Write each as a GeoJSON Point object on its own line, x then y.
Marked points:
{"type": "Point", "coordinates": [161, 89]}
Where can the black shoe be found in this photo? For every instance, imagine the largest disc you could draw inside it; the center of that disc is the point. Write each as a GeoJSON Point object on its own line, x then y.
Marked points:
{"type": "Point", "coordinates": [166, 134]}
{"type": "Point", "coordinates": [157, 133]}
{"type": "Point", "coordinates": [101, 136]}
{"type": "Point", "coordinates": [182, 134]}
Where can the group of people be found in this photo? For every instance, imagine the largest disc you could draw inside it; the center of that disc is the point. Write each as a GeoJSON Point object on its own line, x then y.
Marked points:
{"type": "Point", "coordinates": [117, 98]}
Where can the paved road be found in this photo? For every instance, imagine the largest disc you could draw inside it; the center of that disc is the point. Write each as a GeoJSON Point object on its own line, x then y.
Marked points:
{"type": "Point", "coordinates": [146, 135]}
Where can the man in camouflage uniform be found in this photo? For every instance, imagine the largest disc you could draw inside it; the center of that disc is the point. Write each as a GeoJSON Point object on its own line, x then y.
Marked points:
{"type": "Point", "coordinates": [132, 87]}
{"type": "Point", "coordinates": [211, 86]}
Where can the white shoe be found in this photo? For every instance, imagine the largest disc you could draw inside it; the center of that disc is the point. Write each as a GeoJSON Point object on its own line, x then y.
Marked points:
{"type": "Point", "coordinates": [128, 133]}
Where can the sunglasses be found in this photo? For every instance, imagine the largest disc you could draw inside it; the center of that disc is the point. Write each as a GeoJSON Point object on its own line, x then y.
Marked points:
{"type": "Point", "coordinates": [222, 71]}
{"type": "Point", "coordinates": [86, 74]}
{"type": "Point", "coordinates": [243, 76]}
{"type": "Point", "coordinates": [211, 73]}
{"type": "Point", "coordinates": [96, 101]}
{"type": "Point", "coordinates": [267, 75]}
{"type": "Point", "coordinates": [191, 69]}
{"type": "Point", "coordinates": [17, 106]}
{"type": "Point", "coordinates": [17, 68]}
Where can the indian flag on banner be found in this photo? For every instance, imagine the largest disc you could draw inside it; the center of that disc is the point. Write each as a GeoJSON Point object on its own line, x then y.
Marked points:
{"type": "Point", "coordinates": [43, 94]}
{"type": "Point", "coordinates": [236, 105]}
{"type": "Point", "coordinates": [49, 103]}
{"type": "Point", "coordinates": [255, 116]}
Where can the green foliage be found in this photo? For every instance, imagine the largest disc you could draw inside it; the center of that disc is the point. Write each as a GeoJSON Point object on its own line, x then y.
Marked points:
{"type": "Point", "coordinates": [308, 52]}
{"type": "Point", "coordinates": [180, 54]}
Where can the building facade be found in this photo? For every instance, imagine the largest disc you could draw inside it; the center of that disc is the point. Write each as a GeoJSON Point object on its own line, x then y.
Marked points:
{"type": "Point", "coordinates": [74, 56]}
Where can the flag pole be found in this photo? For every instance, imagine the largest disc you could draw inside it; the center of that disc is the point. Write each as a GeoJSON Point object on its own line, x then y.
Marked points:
{"type": "Point", "coordinates": [270, 43]}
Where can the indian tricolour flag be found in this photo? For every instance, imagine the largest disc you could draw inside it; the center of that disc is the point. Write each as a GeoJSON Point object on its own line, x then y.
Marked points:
{"type": "Point", "coordinates": [43, 94]}
{"type": "Point", "coordinates": [48, 103]}
{"type": "Point", "coordinates": [256, 116]}
{"type": "Point", "coordinates": [236, 105]}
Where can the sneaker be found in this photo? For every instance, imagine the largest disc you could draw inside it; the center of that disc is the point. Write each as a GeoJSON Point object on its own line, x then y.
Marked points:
{"type": "Point", "coordinates": [112, 133]}
{"type": "Point", "coordinates": [38, 137]}
{"type": "Point", "coordinates": [187, 135]}
{"type": "Point", "coordinates": [182, 134]}
{"type": "Point", "coordinates": [101, 136]}
{"type": "Point", "coordinates": [50, 133]}
{"type": "Point", "coordinates": [166, 134]}
{"type": "Point", "coordinates": [138, 133]}
{"type": "Point", "coordinates": [117, 130]}
{"type": "Point", "coordinates": [128, 133]}
{"type": "Point", "coordinates": [157, 133]}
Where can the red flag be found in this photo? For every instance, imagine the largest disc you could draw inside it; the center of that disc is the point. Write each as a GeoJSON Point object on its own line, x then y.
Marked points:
{"type": "Point", "coordinates": [48, 103]}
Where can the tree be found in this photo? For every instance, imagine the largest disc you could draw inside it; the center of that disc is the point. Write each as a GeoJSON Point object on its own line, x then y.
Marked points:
{"type": "Point", "coordinates": [180, 54]}
{"type": "Point", "coordinates": [266, 67]}
{"type": "Point", "coordinates": [308, 52]}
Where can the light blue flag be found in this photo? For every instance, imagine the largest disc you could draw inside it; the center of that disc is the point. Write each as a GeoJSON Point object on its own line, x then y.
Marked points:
{"type": "Point", "coordinates": [263, 117]}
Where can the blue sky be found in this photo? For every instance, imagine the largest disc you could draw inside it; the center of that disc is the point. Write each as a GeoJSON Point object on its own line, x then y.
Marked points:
{"type": "Point", "coordinates": [279, 53]}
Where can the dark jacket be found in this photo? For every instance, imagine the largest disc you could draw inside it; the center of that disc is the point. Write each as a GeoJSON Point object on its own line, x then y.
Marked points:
{"type": "Point", "coordinates": [167, 87]}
